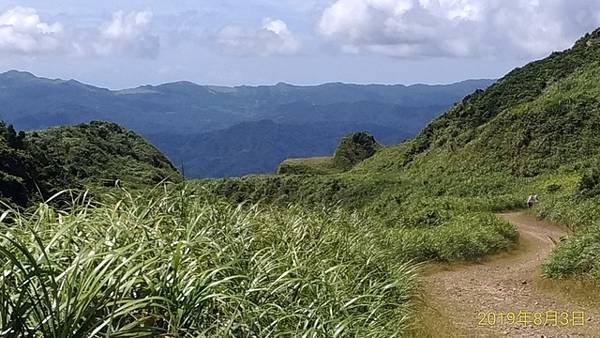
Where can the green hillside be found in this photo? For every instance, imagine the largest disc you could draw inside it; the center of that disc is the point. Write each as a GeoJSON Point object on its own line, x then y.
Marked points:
{"type": "Point", "coordinates": [540, 97]}
{"type": "Point", "coordinates": [351, 150]}
{"type": "Point", "coordinates": [38, 164]}
{"type": "Point", "coordinates": [302, 255]}
{"type": "Point", "coordinates": [533, 132]}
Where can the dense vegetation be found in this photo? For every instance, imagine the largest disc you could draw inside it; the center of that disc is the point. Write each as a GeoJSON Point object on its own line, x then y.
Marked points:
{"type": "Point", "coordinates": [177, 264]}
{"type": "Point", "coordinates": [38, 164]}
{"type": "Point", "coordinates": [14, 162]}
{"type": "Point", "coordinates": [213, 131]}
{"type": "Point", "coordinates": [354, 149]}
{"type": "Point", "coordinates": [580, 254]}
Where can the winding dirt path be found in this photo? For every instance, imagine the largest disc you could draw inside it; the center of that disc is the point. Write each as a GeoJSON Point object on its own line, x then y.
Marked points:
{"type": "Point", "coordinates": [465, 300]}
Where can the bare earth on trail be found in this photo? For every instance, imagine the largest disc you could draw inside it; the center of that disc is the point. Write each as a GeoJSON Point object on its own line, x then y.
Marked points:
{"type": "Point", "coordinates": [456, 295]}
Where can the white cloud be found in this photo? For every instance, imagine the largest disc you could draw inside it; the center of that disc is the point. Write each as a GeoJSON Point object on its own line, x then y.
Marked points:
{"type": "Point", "coordinates": [127, 26]}
{"type": "Point", "coordinates": [273, 38]}
{"type": "Point", "coordinates": [22, 31]}
{"type": "Point", "coordinates": [127, 33]}
{"type": "Point", "coordinates": [457, 28]}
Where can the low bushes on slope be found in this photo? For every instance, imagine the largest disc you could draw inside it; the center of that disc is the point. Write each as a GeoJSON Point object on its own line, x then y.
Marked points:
{"type": "Point", "coordinates": [578, 254]}
{"type": "Point", "coordinates": [354, 149]}
{"type": "Point", "coordinates": [430, 227]}
{"type": "Point", "coordinates": [589, 185]}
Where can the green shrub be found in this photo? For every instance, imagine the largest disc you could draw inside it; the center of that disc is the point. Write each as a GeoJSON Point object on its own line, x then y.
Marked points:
{"type": "Point", "coordinates": [354, 149]}
{"type": "Point", "coordinates": [552, 188]}
{"type": "Point", "coordinates": [470, 237]}
{"type": "Point", "coordinates": [589, 185]}
{"type": "Point", "coordinates": [577, 256]}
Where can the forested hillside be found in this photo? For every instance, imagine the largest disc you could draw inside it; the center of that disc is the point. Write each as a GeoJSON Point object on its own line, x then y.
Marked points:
{"type": "Point", "coordinates": [35, 165]}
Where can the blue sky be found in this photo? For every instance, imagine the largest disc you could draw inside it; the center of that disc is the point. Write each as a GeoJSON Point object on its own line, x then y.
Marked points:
{"type": "Point", "coordinates": [120, 44]}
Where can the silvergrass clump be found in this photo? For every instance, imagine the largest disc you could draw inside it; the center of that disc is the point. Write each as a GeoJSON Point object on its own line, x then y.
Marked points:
{"type": "Point", "coordinates": [174, 263]}
{"type": "Point", "coordinates": [578, 254]}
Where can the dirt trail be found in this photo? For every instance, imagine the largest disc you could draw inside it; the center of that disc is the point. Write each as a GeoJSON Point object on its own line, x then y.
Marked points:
{"type": "Point", "coordinates": [507, 283]}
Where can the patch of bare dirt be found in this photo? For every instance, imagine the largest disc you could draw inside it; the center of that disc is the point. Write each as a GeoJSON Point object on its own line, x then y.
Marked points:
{"type": "Point", "coordinates": [479, 299]}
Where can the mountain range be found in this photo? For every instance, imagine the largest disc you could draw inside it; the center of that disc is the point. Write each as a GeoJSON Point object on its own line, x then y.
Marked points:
{"type": "Point", "coordinates": [216, 131]}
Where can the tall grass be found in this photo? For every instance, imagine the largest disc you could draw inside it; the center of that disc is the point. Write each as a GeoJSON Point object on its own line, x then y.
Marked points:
{"type": "Point", "coordinates": [577, 255]}
{"type": "Point", "coordinates": [180, 264]}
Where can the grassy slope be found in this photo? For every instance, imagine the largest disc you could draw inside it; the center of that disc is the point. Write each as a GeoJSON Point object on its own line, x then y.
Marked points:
{"type": "Point", "coordinates": [351, 150]}
{"type": "Point", "coordinates": [310, 165]}
{"type": "Point", "coordinates": [535, 131]}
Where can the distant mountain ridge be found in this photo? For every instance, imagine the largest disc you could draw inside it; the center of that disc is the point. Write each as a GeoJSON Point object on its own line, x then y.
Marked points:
{"type": "Point", "coordinates": [182, 112]}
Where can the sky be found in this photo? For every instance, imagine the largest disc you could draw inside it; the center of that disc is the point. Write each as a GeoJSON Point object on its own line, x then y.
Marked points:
{"type": "Point", "coordinates": [121, 44]}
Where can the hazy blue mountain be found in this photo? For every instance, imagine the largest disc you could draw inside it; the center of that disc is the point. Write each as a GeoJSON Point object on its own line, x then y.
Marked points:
{"type": "Point", "coordinates": [184, 115]}
{"type": "Point", "coordinates": [259, 146]}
